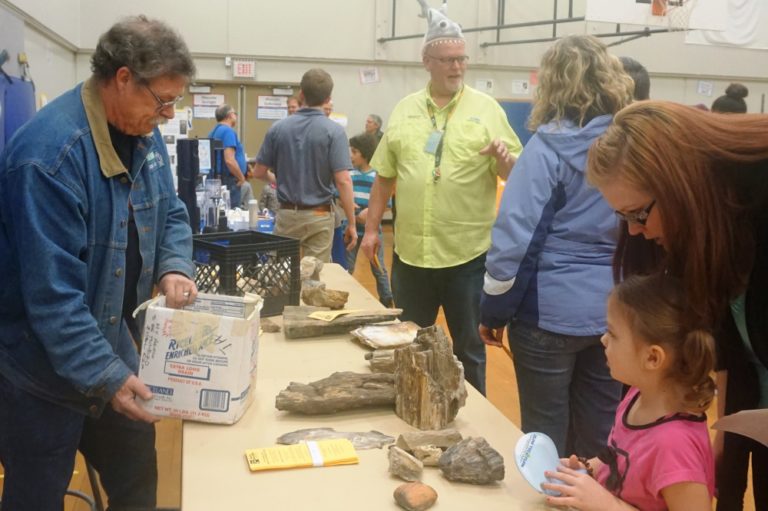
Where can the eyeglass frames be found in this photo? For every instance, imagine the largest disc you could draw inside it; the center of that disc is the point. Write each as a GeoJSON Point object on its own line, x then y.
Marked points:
{"type": "Point", "coordinates": [161, 105]}
{"type": "Point", "coordinates": [449, 61]}
{"type": "Point", "coordinates": [639, 217]}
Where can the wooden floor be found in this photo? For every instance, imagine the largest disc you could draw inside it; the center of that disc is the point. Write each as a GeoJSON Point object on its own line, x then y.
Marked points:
{"type": "Point", "coordinates": [501, 390]}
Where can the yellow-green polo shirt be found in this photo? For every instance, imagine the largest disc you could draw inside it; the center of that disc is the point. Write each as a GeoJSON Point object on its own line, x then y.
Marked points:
{"type": "Point", "coordinates": [445, 222]}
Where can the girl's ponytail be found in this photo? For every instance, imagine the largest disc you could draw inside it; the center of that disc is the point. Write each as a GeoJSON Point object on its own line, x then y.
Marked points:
{"type": "Point", "coordinates": [693, 365]}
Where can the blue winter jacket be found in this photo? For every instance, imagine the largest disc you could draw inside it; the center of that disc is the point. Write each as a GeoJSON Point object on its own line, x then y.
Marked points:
{"type": "Point", "coordinates": [64, 197]}
{"type": "Point", "coordinates": [553, 241]}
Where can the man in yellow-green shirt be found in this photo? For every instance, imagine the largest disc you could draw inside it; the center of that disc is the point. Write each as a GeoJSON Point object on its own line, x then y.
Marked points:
{"type": "Point", "coordinates": [445, 147]}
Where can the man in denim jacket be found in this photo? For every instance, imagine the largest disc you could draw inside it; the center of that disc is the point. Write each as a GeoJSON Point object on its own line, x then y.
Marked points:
{"type": "Point", "coordinates": [89, 223]}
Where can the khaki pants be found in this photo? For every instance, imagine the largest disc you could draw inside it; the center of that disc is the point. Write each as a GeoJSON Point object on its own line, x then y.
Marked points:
{"type": "Point", "coordinates": [314, 230]}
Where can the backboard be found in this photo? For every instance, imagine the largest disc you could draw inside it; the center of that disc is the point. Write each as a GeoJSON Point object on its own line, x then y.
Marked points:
{"type": "Point", "coordinates": [704, 14]}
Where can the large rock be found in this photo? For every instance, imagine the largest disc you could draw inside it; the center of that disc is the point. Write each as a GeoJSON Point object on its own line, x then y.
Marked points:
{"type": "Point", "coordinates": [415, 496]}
{"type": "Point", "coordinates": [429, 381]}
{"type": "Point", "coordinates": [472, 461]}
{"type": "Point", "coordinates": [320, 297]}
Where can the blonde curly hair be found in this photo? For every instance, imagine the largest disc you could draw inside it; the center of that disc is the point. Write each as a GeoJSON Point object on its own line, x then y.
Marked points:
{"type": "Point", "coordinates": [579, 80]}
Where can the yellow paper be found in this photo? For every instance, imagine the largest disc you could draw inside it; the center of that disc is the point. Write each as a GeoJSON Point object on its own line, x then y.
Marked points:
{"type": "Point", "coordinates": [327, 453]}
{"type": "Point", "coordinates": [331, 315]}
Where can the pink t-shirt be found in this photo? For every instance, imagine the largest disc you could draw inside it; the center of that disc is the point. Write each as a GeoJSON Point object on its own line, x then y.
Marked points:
{"type": "Point", "coordinates": [646, 459]}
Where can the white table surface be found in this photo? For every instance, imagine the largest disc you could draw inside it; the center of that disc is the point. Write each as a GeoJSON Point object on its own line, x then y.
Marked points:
{"type": "Point", "coordinates": [215, 475]}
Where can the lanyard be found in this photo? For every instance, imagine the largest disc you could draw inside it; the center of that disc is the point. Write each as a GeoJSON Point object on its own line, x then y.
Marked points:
{"type": "Point", "coordinates": [439, 149]}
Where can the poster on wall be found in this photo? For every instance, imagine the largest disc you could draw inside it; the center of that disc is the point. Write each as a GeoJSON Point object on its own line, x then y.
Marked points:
{"type": "Point", "coordinates": [213, 100]}
{"type": "Point", "coordinates": [205, 112]}
{"type": "Point", "coordinates": [271, 114]}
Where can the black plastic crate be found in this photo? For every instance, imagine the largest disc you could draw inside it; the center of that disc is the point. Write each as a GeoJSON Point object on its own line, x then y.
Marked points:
{"type": "Point", "coordinates": [233, 263]}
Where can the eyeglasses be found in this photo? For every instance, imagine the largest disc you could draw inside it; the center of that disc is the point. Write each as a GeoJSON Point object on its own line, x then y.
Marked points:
{"type": "Point", "coordinates": [449, 61]}
{"type": "Point", "coordinates": [161, 105]}
{"type": "Point", "coordinates": [639, 217]}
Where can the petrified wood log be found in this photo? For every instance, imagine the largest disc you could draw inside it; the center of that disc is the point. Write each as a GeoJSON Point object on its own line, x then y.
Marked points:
{"type": "Point", "coordinates": [472, 461]}
{"type": "Point", "coordinates": [338, 392]}
{"type": "Point", "coordinates": [297, 323]}
{"type": "Point", "coordinates": [429, 381]}
{"type": "Point", "coordinates": [382, 361]}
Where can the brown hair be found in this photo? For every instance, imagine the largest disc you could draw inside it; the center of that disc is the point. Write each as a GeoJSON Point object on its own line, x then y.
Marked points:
{"type": "Point", "coordinates": [366, 143]}
{"type": "Point", "coordinates": [697, 166]}
{"type": "Point", "coordinates": [655, 308]}
{"type": "Point", "coordinates": [316, 85]}
{"type": "Point", "coordinates": [579, 80]}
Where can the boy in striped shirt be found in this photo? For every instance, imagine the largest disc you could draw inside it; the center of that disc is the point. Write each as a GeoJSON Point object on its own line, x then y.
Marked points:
{"type": "Point", "coordinates": [361, 149]}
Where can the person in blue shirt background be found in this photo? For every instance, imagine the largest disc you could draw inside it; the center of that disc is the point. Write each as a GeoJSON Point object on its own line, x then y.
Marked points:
{"type": "Point", "coordinates": [233, 165]}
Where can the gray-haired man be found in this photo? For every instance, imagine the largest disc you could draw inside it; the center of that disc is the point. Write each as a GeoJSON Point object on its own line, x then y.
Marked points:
{"type": "Point", "coordinates": [90, 222]}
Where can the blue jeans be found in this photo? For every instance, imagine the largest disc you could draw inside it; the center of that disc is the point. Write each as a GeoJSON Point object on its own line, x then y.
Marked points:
{"type": "Point", "coordinates": [380, 273]}
{"type": "Point", "coordinates": [39, 441]}
{"type": "Point", "coordinates": [421, 291]}
{"type": "Point", "coordinates": [566, 389]}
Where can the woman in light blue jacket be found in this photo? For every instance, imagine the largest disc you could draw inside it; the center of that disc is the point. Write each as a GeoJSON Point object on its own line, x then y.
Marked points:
{"type": "Point", "coordinates": [549, 266]}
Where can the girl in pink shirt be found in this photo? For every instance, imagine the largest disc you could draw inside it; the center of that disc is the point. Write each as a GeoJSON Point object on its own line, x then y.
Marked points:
{"type": "Point", "coordinates": [658, 455]}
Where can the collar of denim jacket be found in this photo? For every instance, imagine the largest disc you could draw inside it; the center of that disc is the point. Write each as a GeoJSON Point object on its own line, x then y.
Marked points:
{"type": "Point", "coordinates": [109, 161]}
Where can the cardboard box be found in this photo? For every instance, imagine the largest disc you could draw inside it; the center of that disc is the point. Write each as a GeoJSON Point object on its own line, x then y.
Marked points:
{"type": "Point", "coordinates": [200, 361]}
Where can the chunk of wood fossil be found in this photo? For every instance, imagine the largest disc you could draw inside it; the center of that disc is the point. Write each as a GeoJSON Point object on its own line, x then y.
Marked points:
{"type": "Point", "coordinates": [382, 361]}
{"type": "Point", "coordinates": [338, 392]}
{"type": "Point", "coordinates": [404, 465]}
{"type": "Point", "coordinates": [473, 461]}
{"type": "Point", "coordinates": [429, 381]}
{"type": "Point", "coordinates": [310, 268]}
{"type": "Point", "coordinates": [428, 446]}
{"type": "Point", "coordinates": [298, 324]}
{"type": "Point", "coordinates": [360, 439]}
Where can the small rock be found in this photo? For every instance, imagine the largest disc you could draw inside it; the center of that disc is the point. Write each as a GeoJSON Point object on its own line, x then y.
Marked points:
{"type": "Point", "coordinates": [428, 454]}
{"type": "Point", "coordinates": [472, 461]}
{"type": "Point", "coordinates": [415, 496]}
{"type": "Point", "coordinates": [269, 326]}
{"type": "Point", "coordinates": [403, 465]}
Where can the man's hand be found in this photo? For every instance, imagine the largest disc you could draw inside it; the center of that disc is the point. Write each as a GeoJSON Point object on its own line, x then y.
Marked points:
{"type": "Point", "coordinates": [178, 290]}
{"type": "Point", "coordinates": [350, 237]}
{"type": "Point", "coordinates": [370, 245]}
{"type": "Point", "coordinates": [504, 159]}
{"type": "Point", "coordinates": [124, 400]}
{"type": "Point", "coordinates": [491, 337]}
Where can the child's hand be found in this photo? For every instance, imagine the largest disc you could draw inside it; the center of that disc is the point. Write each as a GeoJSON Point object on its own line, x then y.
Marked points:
{"type": "Point", "coordinates": [363, 216]}
{"type": "Point", "coordinates": [578, 490]}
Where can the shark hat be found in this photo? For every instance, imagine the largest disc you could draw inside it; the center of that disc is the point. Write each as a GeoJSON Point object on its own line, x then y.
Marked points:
{"type": "Point", "coordinates": [440, 29]}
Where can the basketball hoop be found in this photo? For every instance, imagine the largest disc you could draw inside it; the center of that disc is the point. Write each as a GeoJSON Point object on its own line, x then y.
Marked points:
{"type": "Point", "coordinates": [674, 14]}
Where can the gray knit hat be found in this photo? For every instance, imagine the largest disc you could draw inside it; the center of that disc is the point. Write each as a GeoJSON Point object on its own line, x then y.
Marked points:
{"type": "Point", "coordinates": [440, 29]}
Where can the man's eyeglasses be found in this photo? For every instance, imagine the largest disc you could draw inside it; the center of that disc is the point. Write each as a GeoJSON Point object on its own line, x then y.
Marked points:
{"type": "Point", "coordinates": [449, 61]}
{"type": "Point", "coordinates": [161, 105]}
{"type": "Point", "coordinates": [639, 217]}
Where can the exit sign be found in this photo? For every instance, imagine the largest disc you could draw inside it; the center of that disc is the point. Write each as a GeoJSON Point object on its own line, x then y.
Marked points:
{"type": "Point", "coordinates": [243, 68]}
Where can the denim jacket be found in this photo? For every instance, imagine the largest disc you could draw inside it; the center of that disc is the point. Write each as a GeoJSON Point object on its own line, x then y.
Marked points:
{"type": "Point", "coordinates": [64, 196]}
